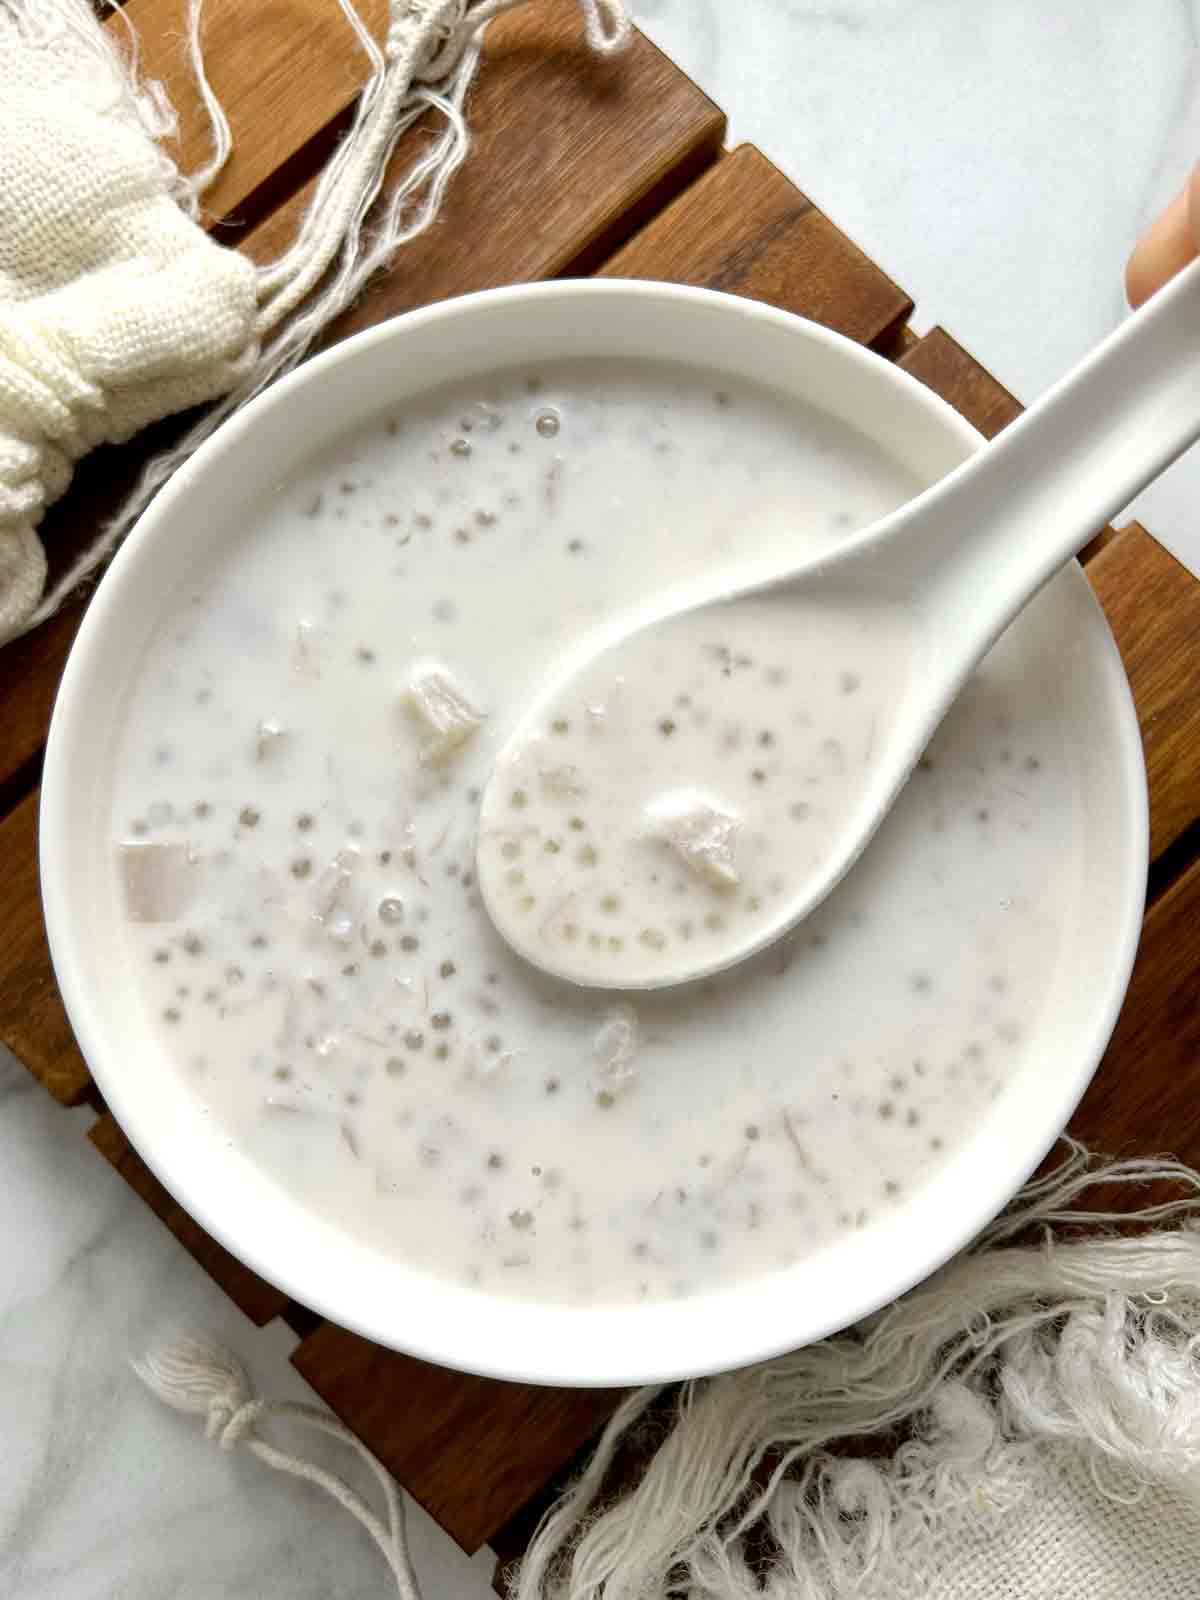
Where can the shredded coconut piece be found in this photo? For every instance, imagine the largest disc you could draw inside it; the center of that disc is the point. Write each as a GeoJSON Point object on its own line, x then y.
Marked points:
{"type": "Point", "coordinates": [447, 717]}
{"type": "Point", "coordinates": [613, 1050]}
{"type": "Point", "coordinates": [700, 833]}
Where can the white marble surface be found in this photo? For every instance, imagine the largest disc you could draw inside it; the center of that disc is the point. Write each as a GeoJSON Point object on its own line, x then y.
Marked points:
{"type": "Point", "coordinates": [998, 158]}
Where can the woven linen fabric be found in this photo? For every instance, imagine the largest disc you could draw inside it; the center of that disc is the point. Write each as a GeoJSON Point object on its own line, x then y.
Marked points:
{"type": "Point", "coordinates": [115, 307]}
{"type": "Point", "coordinates": [1062, 1538]}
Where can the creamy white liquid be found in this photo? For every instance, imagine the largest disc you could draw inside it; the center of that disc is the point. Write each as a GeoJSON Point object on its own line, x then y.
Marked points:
{"type": "Point", "coordinates": [327, 979]}
{"type": "Point", "coordinates": [673, 798]}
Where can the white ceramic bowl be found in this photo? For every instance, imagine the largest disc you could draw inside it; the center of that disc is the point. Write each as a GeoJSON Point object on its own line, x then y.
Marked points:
{"type": "Point", "coordinates": [270, 1229]}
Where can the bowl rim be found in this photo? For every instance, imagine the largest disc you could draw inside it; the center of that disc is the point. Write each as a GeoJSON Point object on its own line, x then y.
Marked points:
{"type": "Point", "coordinates": [707, 1352]}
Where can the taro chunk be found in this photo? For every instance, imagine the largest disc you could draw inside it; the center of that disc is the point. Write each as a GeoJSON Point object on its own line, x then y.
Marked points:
{"type": "Point", "coordinates": [700, 833]}
{"type": "Point", "coordinates": [439, 705]}
{"type": "Point", "coordinates": [160, 880]}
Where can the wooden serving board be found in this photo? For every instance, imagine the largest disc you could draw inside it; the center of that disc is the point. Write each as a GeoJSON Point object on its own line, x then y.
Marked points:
{"type": "Point", "coordinates": [577, 166]}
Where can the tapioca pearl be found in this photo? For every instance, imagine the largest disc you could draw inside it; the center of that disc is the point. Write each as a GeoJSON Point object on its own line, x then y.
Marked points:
{"type": "Point", "coordinates": [547, 422]}
{"type": "Point", "coordinates": [849, 683]}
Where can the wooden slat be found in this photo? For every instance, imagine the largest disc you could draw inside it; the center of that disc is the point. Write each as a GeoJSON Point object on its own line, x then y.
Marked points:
{"type": "Point", "coordinates": [1143, 1098]}
{"type": "Point", "coordinates": [282, 69]}
{"type": "Point", "coordinates": [258, 1299]}
{"type": "Point", "coordinates": [471, 1450]}
{"type": "Point", "coordinates": [1153, 607]}
{"type": "Point", "coordinates": [942, 365]}
{"type": "Point", "coordinates": [29, 672]}
{"type": "Point", "coordinates": [33, 1023]}
{"type": "Point", "coordinates": [748, 230]}
{"type": "Point", "coordinates": [569, 153]}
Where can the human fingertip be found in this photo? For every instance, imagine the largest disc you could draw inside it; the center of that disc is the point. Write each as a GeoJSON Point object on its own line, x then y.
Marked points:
{"type": "Point", "coordinates": [1167, 245]}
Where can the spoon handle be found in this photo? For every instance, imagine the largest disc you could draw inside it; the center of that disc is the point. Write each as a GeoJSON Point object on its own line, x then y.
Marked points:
{"type": "Point", "coordinates": [990, 534]}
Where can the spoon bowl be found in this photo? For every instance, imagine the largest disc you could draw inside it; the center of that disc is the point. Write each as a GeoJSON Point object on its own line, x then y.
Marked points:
{"type": "Point", "coordinates": [624, 846]}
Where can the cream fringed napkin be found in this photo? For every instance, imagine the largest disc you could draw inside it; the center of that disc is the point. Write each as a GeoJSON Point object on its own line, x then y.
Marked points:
{"type": "Point", "coordinates": [116, 309]}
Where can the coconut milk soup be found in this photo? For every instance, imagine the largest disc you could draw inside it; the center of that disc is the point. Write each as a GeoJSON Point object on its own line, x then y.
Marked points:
{"type": "Point", "coordinates": [294, 816]}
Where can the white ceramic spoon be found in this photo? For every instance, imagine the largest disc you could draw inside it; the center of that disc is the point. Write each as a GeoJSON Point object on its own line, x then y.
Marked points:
{"type": "Point", "coordinates": [686, 794]}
